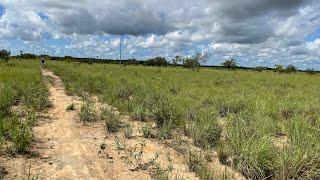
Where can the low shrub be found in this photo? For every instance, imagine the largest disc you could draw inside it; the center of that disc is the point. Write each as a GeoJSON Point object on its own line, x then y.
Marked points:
{"type": "Point", "coordinates": [112, 121]}
{"type": "Point", "coordinates": [87, 113]}
{"type": "Point", "coordinates": [230, 64]}
{"type": "Point", "coordinates": [147, 132]}
{"type": "Point", "coordinates": [128, 131]}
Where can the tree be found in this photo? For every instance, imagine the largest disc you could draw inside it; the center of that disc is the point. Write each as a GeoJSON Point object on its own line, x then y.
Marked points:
{"type": "Point", "coordinates": [195, 62]}
{"type": "Point", "coordinates": [191, 63]}
{"type": "Point", "coordinates": [230, 64]}
{"type": "Point", "coordinates": [279, 68]}
{"type": "Point", "coordinates": [176, 60]}
{"type": "Point", "coordinates": [27, 56]}
{"type": "Point", "coordinates": [4, 54]}
{"type": "Point", "coordinates": [290, 69]}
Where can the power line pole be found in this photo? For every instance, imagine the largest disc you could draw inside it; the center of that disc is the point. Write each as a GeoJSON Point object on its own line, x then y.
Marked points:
{"type": "Point", "coordinates": [120, 51]}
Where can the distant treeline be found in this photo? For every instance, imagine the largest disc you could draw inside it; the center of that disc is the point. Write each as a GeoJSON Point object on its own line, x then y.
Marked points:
{"type": "Point", "coordinates": [193, 63]}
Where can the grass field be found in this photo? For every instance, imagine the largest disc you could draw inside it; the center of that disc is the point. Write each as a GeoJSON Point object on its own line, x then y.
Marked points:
{"type": "Point", "coordinates": [22, 94]}
{"type": "Point", "coordinates": [264, 124]}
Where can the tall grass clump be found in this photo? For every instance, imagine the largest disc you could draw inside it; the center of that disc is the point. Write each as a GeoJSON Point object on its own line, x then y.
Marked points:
{"type": "Point", "coordinates": [253, 154]}
{"type": "Point", "coordinates": [21, 136]}
{"type": "Point", "coordinates": [87, 112]}
{"type": "Point", "coordinates": [161, 110]}
{"type": "Point", "coordinates": [196, 163]}
{"type": "Point", "coordinates": [300, 157]}
{"type": "Point", "coordinates": [112, 120]}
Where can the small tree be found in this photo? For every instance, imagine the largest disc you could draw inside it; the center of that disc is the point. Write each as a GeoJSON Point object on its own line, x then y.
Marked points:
{"type": "Point", "coordinates": [230, 64]}
{"type": "Point", "coordinates": [4, 55]}
{"type": "Point", "coordinates": [291, 69]}
{"type": "Point", "coordinates": [176, 60]}
{"type": "Point", "coordinates": [195, 62]}
{"type": "Point", "coordinates": [191, 63]}
{"type": "Point", "coordinates": [279, 68]}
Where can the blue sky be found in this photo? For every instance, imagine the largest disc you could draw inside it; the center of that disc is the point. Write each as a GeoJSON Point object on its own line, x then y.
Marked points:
{"type": "Point", "coordinates": [313, 36]}
{"type": "Point", "coordinates": [255, 33]}
{"type": "Point", "coordinates": [1, 10]}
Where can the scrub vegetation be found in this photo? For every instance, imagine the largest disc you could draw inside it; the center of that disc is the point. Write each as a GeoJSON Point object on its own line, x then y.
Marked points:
{"type": "Point", "coordinates": [263, 124]}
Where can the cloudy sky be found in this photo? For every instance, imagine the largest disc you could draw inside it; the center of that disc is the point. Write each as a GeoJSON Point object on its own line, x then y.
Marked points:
{"type": "Point", "coordinates": [254, 32]}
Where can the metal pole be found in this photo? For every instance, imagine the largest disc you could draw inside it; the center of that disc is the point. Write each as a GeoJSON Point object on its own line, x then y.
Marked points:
{"type": "Point", "coordinates": [120, 51]}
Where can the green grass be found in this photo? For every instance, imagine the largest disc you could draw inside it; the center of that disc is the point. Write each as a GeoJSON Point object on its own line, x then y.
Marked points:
{"type": "Point", "coordinates": [20, 85]}
{"type": "Point", "coordinates": [255, 106]}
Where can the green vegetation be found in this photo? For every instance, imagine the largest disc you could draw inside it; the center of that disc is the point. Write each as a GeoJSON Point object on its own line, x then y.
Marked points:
{"type": "Point", "coordinates": [87, 112]}
{"type": "Point", "coordinates": [71, 107]}
{"type": "Point", "coordinates": [230, 64]}
{"type": "Point", "coordinates": [22, 94]}
{"type": "Point", "coordinates": [269, 121]}
{"type": "Point", "coordinates": [196, 163]}
{"type": "Point", "coordinates": [112, 120]}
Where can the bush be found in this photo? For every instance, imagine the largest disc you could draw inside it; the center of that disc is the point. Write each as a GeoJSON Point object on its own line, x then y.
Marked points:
{"type": "Point", "coordinates": [191, 63]}
{"type": "Point", "coordinates": [128, 131]}
{"type": "Point", "coordinates": [4, 53]}
{"type": "Point", "coordinates": [291, 69]}
{"type": "Point", "coordinates": [230, 64]}
{"type": "Point", "coordinates": [147, 132]}
{"type": "Point", "coordinates": [279, 68]}
{"type": "Point", "coordinates": [195, 62]}
{"type": "Point", "coordinates": [87, 113]}
{"type": "Point", "coordinates": [112, 121]}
